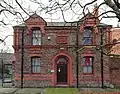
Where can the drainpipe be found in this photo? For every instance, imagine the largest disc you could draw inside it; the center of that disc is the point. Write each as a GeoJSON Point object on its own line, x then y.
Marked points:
{"type": "Point", "coordinates": [101, 43]}
{"type": "Point", "coordinates": [77, 56]}
{"type": "Point", "coordinates": [22, 57]}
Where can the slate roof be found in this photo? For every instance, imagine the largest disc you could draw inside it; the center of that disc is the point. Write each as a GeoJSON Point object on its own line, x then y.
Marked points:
{"type": "Point", "coordinates": [61, 24]}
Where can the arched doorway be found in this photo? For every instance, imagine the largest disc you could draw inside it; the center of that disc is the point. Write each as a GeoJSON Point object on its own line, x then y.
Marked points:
{"type": "Point", "coordinates": [62, 68]}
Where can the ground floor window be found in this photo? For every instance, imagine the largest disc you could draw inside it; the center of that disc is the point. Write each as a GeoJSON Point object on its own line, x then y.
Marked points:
{"type": "Point", "coordinates": [88, 64]}
{"type": "Point", "coordinates": [35, 64]}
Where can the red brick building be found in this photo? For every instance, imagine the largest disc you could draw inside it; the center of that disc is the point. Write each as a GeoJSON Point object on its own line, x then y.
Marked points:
{"type": "Point", "coordinates": [50, 52]}
{"type": "Point", "coordinates": [116, 37]}
{"type": "Point", "coordinates": [114, 60]}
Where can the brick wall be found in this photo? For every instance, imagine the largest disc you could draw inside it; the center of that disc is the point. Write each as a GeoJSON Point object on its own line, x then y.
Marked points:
{"type": "Point", "coordinates": [48, 50]}
{"type": "Point", "coordinates": [115, 70]}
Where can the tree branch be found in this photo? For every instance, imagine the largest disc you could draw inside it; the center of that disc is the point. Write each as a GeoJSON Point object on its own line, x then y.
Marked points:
{"type": "Point", "coordinates": [114, 7]}
{"type": "Point", "coordinates": [117, 3]}
{"type": "Point", "coordinates": [21, 7]}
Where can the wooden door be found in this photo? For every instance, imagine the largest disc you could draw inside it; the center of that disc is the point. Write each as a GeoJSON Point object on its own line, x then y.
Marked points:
{"type": "Point", "coordinates": [62, 72]}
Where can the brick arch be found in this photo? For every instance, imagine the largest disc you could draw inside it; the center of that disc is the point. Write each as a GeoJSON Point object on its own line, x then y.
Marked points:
{"type": "Point", "coordinates": [32, 27]}
{"type": "Point", "coordinates": [69, 69]}
{"type": "Point", "coordinates": [30, 30]}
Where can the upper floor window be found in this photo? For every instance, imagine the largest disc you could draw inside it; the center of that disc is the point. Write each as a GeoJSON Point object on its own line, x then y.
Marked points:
{"type": "Point", "coordinates": [36, 37]}
{"type": "Point", "coordinates": [35, 64]}
{"type": "Point", "coordinates": [87, 36]}
{"type": "Point", "coordinates": [88, 64]}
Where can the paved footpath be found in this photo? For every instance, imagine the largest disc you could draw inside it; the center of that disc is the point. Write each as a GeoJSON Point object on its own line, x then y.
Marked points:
{"type": "Point", "coordinates": [21, 91]}
{"type": "Point", "coordinates": [8, 90]}
{"type": "Point", "coordinates": [42, 90]}
{"type": "Point", "coordinates": [98, 91]}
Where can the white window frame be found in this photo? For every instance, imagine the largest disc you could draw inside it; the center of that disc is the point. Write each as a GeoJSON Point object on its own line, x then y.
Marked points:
{"type": "Point", "coordinates": [35, 64]}
{"type": "Point", "coordinates": [36, 37]}
{"type": "Point", "coordinates": [88, 67]}
{"type": "Point", "coordinates": [87, 39]}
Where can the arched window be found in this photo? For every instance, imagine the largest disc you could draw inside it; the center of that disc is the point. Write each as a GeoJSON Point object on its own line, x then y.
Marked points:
{"type": "Point", "coordinates": [87, 36]}
{"type": "Point", "coordinates": [36, 36]}
{"type": "Point", "coordinates": [35, 64]}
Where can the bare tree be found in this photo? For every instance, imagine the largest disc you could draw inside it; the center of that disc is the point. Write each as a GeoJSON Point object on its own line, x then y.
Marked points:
{"type": "Point", "coordinates": [11, 11]}
{"type": "Point", "coordinates": [115, 6]}
{"type": "Point", "coordinates": [80, 7]}
{"type": "Point", "coordinates": [75, 7]}
{"type": "Point", "coordinates": [18, 10]}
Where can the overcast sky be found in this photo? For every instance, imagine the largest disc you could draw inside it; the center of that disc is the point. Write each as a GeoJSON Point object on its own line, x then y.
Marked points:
{"type": "Point", "coordinates": [32, 7]}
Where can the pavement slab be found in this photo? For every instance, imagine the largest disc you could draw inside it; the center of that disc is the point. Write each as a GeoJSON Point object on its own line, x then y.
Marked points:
{"type": "Point", "coordinates": [21, 91]}
{"type": "Point", "coordinates": [92, 89]}
{"type": "Point", "coordinates": [99, 91]}
{"type": "Point", "coordinates": [8, 90]}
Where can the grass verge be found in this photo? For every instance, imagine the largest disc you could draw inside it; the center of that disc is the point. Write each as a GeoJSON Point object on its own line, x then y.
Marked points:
{"type": "Point", "coordinates": [61, 91]}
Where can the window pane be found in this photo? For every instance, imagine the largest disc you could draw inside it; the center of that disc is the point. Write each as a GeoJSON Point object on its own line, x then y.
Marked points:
{"type": "Point", "coordinates": [37, 69]}
{"type": "Point", "coordinates": [36, 41]}
{"type": "Point", "coordinates": [87, 41]}
{"type": "Point", "coordinates": [87, 37]}
{"type": "Point", "coordinates": [87, 33]}
{"type": "Point", "coordinates": [33, 69]}
{"type": "Point", "coordinates": [35, 65]}
{"type": "Point", "coordinates": [85, 69]}
{"type": "Point", "coordinates": [37, 61]}
{"type": "Point", "coordinates": [87, 61]}
{"type": "Point", "coordinates": [90, 69]}
{"type": "Point", "coordinates": [33, 61]}
{"type": "Point", "coordinates": [88, 64]}
{"type": "Point", "coordinates": [36, 37]}
{"type": "Point", "coordinates": [91, 60]}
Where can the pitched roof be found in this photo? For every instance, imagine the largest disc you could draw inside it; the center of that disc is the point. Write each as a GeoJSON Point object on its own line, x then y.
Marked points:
{"type": "Point", "coordinates": [86, 15]}
{"type": "Point", "coordinates": [89, 15]}
{"type": "Point", "coordinates": [35, 15]}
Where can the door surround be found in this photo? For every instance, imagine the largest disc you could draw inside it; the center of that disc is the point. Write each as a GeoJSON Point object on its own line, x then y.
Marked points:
{"type": "Point", "coordinates": [69, 68]}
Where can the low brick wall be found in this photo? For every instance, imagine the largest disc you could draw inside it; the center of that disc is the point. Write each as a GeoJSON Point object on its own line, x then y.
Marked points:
{"type": "Point", "coordinates": [34, 83]}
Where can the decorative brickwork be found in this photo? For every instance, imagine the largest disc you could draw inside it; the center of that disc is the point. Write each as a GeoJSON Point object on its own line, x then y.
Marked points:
{"type": "Point", "coordinates": [57, 41]}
